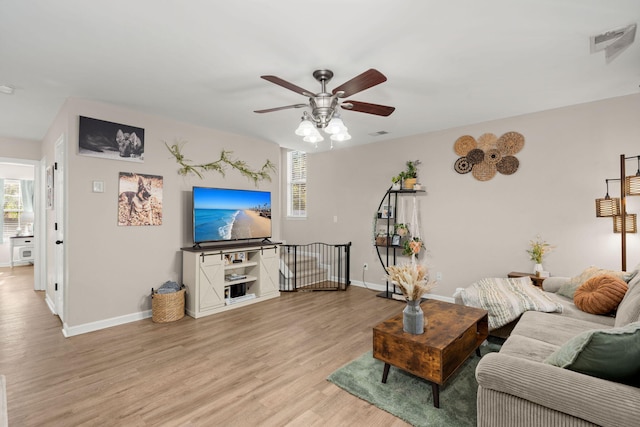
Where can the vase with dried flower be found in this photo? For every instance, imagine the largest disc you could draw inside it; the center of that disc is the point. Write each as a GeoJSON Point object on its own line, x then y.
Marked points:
{"type": "Point", "coordinates": [413, 280]}
{"type": "Point", "coordinates": [537, 250]}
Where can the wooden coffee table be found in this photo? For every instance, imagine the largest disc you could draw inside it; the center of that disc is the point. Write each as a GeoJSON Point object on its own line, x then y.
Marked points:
{"type": "Point", "coordinates": [452, 333]}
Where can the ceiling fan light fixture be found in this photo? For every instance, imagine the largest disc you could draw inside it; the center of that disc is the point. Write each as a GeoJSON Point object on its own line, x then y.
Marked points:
{"type": "Point", "coordinates": [313, 138]}
{"type": "Point", "coordinates": [324, 105]}
{"type": "Point", "coordinates": [336, 125]}
{"type": "Point", "coordinates": [305, 128]}
{"type": "Point", "coordinates": [339, 137]}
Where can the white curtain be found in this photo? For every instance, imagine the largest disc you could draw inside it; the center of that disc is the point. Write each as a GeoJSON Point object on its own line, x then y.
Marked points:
{"type": "Point", "coordinates": [26, 186]}
{"type": "Point", "coordinates": [27, 216]}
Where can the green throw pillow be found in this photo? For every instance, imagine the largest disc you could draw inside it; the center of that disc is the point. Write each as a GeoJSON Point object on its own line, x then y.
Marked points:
{"type": "Point", "coordinates": [611, 354]}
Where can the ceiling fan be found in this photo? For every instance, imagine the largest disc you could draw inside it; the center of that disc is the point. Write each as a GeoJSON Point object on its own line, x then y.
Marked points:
{"type": "Point", "coordinates": [324, 104]}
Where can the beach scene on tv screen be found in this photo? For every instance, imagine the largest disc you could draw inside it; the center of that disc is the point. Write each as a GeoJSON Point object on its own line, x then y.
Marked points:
{"type": "Point", "coordinates": [224, 214]}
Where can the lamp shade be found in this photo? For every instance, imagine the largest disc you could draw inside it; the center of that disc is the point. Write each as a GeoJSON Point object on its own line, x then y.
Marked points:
{"type": "Point", "coordinates": [632, 185]}
{"type": "Point", "coordinates": [305, 128]}
{"type": "Point", "coordinates": [313, 137]}
{"type": "Point", "coordinates": [607, 207]}
{"type": "Point", "coordinates": [631, 225]}
{"type": "Point", "coordinates": [336, 125]}
{"type": "Point", "coordinates": [339, 137]}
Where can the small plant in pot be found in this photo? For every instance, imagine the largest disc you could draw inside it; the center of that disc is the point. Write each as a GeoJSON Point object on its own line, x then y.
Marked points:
{"type": "Point", "coordinates": [410, 174]}
{"type": "Point", "coordinates": [401, 229]}
{"type": "Point", "coordinates": [412, 246]}
{"type": "Point", "coordinates": [396, 181]}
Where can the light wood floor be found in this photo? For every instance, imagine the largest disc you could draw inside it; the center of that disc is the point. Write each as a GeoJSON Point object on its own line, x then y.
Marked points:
{"type": "Point", "coordinates": [263, 365]}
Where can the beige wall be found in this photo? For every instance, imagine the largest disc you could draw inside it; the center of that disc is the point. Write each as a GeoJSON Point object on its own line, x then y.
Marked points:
{"type": "Point", "coordinates": [472, 229]}
{"type": "Point", "coordinates": [476, 229]}
{"type": "Point", "coordinates": [111, 268]}
{"type": "Point", "coordinates": [20, 148]}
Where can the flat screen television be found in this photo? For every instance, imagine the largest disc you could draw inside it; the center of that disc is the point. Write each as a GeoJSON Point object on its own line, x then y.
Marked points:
{"type": "Point", "coordinates": [225, 214]}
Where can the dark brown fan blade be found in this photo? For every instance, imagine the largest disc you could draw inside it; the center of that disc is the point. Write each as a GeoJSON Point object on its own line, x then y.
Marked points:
{"type": "Point", "coordinates": [359, 83]}
{"type": "Point", "coordinates": [365, 107]}
{"type": "Point", "coordinates": [287, 85]}
{"type": "Point", "coordinates": [268, 110]}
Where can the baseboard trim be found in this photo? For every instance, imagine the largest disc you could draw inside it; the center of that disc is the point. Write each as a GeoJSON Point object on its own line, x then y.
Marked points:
{"type": "Point", "coordinates": [70, 331]}
{"type": "Point", "coordinates": [380, 288]}
{"type": "Point", "coordinates": [50, 304]}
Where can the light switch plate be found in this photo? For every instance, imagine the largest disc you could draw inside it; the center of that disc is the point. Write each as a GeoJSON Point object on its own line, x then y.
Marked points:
{"type": "Point", "coordinates": [98, 186]}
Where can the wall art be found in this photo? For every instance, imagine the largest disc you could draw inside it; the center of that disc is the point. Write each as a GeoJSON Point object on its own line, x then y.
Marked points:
{"type": "Point", "coordinates": [487, 155]}
{"type": "Point", "coordinates": [139, 199]}
{"type": "Point", "coordinates": [108, 140]}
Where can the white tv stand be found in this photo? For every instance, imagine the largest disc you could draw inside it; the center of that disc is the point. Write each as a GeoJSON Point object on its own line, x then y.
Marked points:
{"type": "Point", "coordinates": [206, 274]}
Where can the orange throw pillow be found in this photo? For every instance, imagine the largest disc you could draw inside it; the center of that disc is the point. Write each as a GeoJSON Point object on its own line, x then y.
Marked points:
{"type": "Point", "coordinates": [600, 294]}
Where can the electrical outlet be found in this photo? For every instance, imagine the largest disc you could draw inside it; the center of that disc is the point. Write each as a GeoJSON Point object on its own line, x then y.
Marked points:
{"type": "Point", "coordinates": [438, 276]}
{"type": "Point", "coordinates": [365, 266]}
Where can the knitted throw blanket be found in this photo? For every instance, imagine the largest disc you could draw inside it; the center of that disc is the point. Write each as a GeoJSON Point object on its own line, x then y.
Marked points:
{"type": "Point", "coordinates": [506, 299]}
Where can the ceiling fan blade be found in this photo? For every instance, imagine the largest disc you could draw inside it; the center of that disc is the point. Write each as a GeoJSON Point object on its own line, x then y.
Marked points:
{"type": "Point", "coordinates": [268, 110]}
{"type": "Point", "coordinates": [287, 85]}
{"type": "Point", "coordinates": [365, 107]}
{"type": "Point", "coordinates": [359, 83]}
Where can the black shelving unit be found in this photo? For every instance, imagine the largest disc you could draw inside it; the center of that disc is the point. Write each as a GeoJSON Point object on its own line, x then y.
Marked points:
{"type": "Point", "coordinates": [387, 252]}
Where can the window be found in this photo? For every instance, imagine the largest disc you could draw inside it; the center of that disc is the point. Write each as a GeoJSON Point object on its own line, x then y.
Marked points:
{"type": "Point", "coordinates": [12, 207]}
{"type": "Point", "coordinates": [297, 184]}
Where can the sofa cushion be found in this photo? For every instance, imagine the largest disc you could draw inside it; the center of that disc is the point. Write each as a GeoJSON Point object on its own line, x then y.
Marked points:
{"type": "Point", "coordinates": [629, 308]}
{"type": "Point", "coordinates": [612, 354]}
{"type": "Point", "coordinates": [568, 289]}
{"type": "Point", "coordinates": [600, 294]}
{"type": "Point", "coordinates": [527, 348]}
{"type": "Point", "coordinates": [555, 329]}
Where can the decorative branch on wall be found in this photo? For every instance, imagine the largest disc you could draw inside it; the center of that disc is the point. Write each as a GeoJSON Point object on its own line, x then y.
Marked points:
{"type": "Point", "coordinates": [488, 154]}
{"type": "Point", "coordinates": [220, 165]}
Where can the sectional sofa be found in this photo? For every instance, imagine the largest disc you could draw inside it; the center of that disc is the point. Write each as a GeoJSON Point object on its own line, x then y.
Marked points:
{"type": "Point", "coordinates": [566, 369]}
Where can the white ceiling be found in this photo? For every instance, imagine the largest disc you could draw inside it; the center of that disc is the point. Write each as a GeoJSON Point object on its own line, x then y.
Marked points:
{"type": "Point", "coordinates": [448, 63]}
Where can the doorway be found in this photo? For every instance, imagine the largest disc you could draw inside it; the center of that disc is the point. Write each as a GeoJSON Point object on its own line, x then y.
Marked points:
{"type": "Point", "coordinates": [25, 175]}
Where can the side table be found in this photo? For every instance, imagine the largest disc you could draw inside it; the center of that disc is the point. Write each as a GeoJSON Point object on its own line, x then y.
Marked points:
{"type": "Point", "coordinates": [537, 280]}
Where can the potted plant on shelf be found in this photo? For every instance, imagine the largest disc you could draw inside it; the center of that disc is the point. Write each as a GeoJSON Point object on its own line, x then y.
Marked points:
{"type": "Point", "coordinates": [412, 246]}
{"type": "Point", "coordinates": [396, 181]}
{"type": "Point", "coordinates": [401, 229]}
{"type": "Point", "coordinates": [410, 174]}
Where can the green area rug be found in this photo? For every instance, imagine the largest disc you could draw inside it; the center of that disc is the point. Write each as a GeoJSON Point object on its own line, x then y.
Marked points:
{"type": "Point", "coordinates": [409, 397]}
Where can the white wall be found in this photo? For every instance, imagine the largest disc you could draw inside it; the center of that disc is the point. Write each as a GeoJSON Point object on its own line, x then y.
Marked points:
{"type": "Point", "coordinates": [111, 268]}
{"type": "Point", "coordinates": [476, 229]}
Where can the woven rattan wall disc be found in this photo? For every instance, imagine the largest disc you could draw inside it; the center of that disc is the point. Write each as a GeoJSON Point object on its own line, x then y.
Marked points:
{"type": "Point", "coordinates": [487, 141]}
{"type": "Point", "coordinates": [462, 165]}
{"type": "Point", "coordinates": [510, 143]}
{"type": "Point", "coordinates": [475, 156]}
{"type": "Point", "coordinates": [492, 156]}
{"type": "Point", "coordinates": [484, 171]}
{"type": "Point", "coordinates": [464, 144]}
{"type": "Point", "coordinates": [508, 165]}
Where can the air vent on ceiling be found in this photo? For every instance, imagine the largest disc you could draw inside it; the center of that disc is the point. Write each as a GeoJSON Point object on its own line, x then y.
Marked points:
{"type": "Point", "coordinates": [613, 42]}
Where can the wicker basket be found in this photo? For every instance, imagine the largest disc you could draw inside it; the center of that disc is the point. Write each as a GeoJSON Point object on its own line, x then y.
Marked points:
{"type": "Point", "coordinates": [167, 307]}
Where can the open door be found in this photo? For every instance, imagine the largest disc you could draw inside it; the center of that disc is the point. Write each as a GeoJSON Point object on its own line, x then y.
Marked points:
{"type": "Point", "coordinates": [59, 212]}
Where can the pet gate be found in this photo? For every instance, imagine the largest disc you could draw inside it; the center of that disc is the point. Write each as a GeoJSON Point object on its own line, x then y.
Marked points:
{"type": "Point", "coordinates": [314, 267]}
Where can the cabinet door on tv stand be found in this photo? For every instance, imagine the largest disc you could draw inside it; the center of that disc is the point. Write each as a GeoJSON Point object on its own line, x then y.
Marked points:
{"type": "Point", "coordinates": [269, 271]}
{"type": "Point", "coordinates": [211, 282]}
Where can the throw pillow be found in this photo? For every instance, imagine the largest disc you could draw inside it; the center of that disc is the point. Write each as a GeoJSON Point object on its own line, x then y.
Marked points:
{"type": "Point", "coordinates": [629, 308]}
{"type": "Point", "coordinates": [569, 288]}
{"type": "Point", "coordinates": [611, 354]}
{"type": "Point", "coordinates": [600, 294]}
